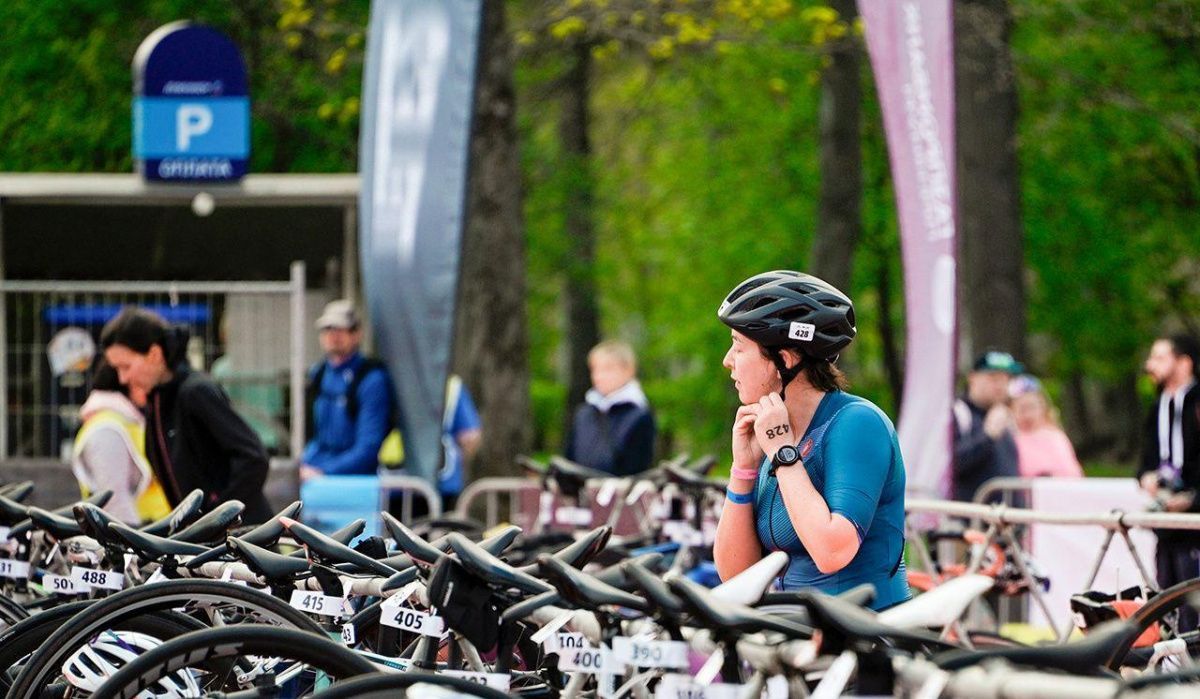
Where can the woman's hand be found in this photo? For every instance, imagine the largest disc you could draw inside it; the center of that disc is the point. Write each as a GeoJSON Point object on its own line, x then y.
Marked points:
{"type": "Point", "coordinates": [746, 452]}
{"type": "Point", "coordinates": [773, 428]}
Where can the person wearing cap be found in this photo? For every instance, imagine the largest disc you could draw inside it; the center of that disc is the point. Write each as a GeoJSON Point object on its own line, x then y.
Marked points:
{"type": "Point", "coordinates": [817, 472]}
{"type": "Point", "coordinates": [984, 447]}
{"type": "Point", "coordinates": [350, 401]}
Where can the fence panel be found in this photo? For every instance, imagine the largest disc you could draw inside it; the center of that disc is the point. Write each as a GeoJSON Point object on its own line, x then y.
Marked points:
{"type": "Point", "coordinates": [244, 333]}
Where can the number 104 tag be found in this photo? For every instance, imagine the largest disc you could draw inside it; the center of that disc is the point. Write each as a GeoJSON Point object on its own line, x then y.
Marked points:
{"type": "Point", "coordinates": [673, 654]}
{"type": "Point", "coordinates": [316, 603]}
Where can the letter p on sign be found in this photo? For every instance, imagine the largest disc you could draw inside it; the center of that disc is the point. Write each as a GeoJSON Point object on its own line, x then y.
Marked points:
{"type": "Point", "coordinates": [191, 120]}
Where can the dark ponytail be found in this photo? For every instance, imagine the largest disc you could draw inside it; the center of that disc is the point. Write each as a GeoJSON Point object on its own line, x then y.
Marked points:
{"type": "Point", "coordinates": [140, 329]}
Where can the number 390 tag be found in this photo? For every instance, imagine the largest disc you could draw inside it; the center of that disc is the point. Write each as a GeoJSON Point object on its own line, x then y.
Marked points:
{"type": "Point", "coordinates": [640, 653]}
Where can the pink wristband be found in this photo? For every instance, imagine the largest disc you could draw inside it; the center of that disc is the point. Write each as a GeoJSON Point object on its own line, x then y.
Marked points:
{"type": "Point", "coordinates": [745, 474]}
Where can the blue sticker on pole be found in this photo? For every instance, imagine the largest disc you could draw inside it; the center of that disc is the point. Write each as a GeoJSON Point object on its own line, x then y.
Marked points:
{"type": "Point", "coordinates": [191, 106]}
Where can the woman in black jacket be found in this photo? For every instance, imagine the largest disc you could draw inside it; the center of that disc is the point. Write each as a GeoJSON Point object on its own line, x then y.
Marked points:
{"type": "Point", "coordinates": [194, 438]}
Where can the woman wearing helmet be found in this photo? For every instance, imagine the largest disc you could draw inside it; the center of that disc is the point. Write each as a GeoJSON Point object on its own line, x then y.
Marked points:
{"type": "Point", "coordinates": [817, 472]}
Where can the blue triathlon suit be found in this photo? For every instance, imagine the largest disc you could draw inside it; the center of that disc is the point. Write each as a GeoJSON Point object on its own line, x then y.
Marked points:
{"type": "Point", "coordinates": [852, 456]}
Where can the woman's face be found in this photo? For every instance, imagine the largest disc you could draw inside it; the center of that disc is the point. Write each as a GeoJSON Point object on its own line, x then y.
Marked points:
{"type": "Point", "coordinates": [754, 375]}
{"type": "Point", "coordinates": [1030, 411]}
{"type": "Point", "coordinates": [140, 372]}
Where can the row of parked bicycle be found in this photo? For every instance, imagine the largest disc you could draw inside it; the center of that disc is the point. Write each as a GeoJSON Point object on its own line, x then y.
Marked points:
{"type": "Point", "coordinates": [196, 605]}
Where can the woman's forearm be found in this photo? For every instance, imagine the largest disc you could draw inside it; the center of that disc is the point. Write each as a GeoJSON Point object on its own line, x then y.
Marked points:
{"type": "Point", "coordinates": [736, 547]}
{"type": "Point", "coordinates": [830, 539]}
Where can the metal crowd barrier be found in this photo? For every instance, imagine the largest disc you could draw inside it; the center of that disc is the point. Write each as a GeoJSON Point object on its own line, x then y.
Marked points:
{"type": "Point", "coordinates": [407, 487]}
{"type": "Point", "coordinates": [1001, 520]}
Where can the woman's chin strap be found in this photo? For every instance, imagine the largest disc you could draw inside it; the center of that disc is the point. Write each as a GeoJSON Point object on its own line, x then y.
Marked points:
{"type": "Point", "coordinates": [786, 374]}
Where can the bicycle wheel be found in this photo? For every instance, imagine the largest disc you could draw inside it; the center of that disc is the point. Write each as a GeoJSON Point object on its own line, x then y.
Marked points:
{"type": "Point", "coordinates": [218, 597]}
{"type": "Point", "coordinates": [1160, 609]}
{"type": "Point", "coordinates": [11, 612]}
{"type": "Point", "coordinates": [228, 643]}
{"type": "Point", "coordinates": [381, 686]}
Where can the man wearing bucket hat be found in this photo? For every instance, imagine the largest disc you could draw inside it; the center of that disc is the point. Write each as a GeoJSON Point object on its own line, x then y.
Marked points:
{"type": "Point", "coordinates": [350, 402]}
{"type": "Point", "coordinates": [984, 447]}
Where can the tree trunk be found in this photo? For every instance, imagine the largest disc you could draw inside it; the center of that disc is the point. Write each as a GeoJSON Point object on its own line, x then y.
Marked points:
{"type": "Point", "coordinates": [579, 298]}
{"type": "Point", "coordinates": [893, 366]}
{"type": "Point", "coordinates": [490, 335]}
{"type": "Point", "coordinates": [992, 285]}
{"type": "Point", "coordinates": [839, 218]}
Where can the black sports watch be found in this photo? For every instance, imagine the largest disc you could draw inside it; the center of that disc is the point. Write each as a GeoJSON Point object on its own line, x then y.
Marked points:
{"type": "Point", "coordinates": [786, 456]}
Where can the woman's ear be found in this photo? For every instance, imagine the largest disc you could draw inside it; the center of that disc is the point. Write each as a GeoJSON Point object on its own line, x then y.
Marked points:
{"type": "Point", "coordinates": [155, 355]}
{"type": "Point", "coordinates": [790, 357]}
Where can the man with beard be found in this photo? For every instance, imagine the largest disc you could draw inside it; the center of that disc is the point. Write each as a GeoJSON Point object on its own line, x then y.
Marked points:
{"type": "Point", "coordinates": [1170, 467]}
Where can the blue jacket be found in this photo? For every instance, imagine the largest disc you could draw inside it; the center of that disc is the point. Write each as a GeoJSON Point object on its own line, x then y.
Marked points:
{"type": "Point", "coordinates": [619, 440]}
{"type": "Point", "coordinates": [342, 444]}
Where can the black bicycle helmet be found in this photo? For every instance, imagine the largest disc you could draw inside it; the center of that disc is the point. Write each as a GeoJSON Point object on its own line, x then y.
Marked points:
{"type": "Point", "coordinates": [791, 310]}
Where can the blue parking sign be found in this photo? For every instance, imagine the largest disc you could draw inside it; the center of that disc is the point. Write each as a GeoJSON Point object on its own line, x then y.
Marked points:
{"type": "Point", "coordinates": [191, 106]}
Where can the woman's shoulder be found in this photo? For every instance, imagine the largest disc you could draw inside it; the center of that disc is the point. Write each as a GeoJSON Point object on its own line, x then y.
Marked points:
{"type": "Point", "coordinates": [860, 413]}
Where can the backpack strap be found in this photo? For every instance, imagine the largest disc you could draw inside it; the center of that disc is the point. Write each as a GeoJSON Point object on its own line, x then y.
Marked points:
{"type": "Point", "coordinates": [313, 388]}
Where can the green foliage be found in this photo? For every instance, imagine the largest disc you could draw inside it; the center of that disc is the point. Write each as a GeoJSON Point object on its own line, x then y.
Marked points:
{"type": "Point", "coordinates": [66, 69]}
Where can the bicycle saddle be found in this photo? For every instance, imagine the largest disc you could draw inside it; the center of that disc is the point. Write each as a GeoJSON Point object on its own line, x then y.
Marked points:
{"type": "Point", "coordinates": [187, 511]}
{"type": "Point", "coordinates": [24, 524]}
{"type": "Point", "coordinates": [213, 527]}
{"type": "Point", "coordinates": [584, 590]}
{"type": "Point", "coordinates": [498, 543]}
{"type": "Point", "coordinates": [55, 525]}
{"type": "Point", "coordinates": [748, 587]}
{"type": "Point", "coordinates": [1084, 657]}
{"type": "Point", "coordinates": [691, 480]}
{"type": "Point", "coordinates": [613, 575]}
{"type": "Point", "coordinates": [725, 615]}
{"type": "Point", "coordinates": [333, 551]}
{"type": "Point", "coordinates": [496, 572]}
{"type": "Point", "coordinates": [94, 522]}
{"type": "Point", "coordinates": [578, 553]}
{"type": "Point", "coordinates": [409, 542]}
{"type": "Point", "coordinates": [343, 536]}
{"type": "Point", "coordinates": [268, 533]}
{"type": "Point", "coordinates": [570, 476]}
{"type": "Point", "coordinates": [273, 567]}
{"type": "Point", "coordinates": [17, 491]}
{"type": "Point", "coordinates": [941, 606]}
{"type": "Point", "coordinates": [654, 588]}
{"type": "Point", "coordinates": [842, 622]}
{"type": "Point", "coordinates": [151, 547]}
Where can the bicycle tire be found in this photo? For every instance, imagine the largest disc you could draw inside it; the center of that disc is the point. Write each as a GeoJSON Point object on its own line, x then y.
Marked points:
{"type": "Point", "coordinates": [11, 613]}
{"type": "Point", "coordinates": [384, 686]}
{"type": "Point", "coordinates": [1155, 609]}
{"type": "Point", "coordinates": [138, 600]}
{"type": "Point", "coordinates": [228, 642]}
{"type": "Point", "coordinates": [27, 636]}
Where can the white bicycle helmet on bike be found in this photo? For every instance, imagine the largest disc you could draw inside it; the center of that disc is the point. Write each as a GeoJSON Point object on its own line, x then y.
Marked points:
{"type": "Point", "coordinates": [91, 665]}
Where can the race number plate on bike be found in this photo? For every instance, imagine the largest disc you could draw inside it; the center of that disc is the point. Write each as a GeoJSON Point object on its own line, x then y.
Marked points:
{"type": "Point", "coordinates": [317, 603]}
{"type": "Point", "coordinates": [103, 579]}
{"type": "Point", "coordinates": [18, 570]}
{"type": "Point", "coordinates": [641, 653]}
{"type": "Point", "coordinates": [495, 680]}
{"type": "Point", "coordinates": [590, 660]}
{"type": "Point", "coordinates": [565, 641]}
{"type": "Point", "coordinates": [408, 619]}
{"type": "Point", "coordinates": [673, 686]}
{"type": "Point", "coordinates": [62, 585]}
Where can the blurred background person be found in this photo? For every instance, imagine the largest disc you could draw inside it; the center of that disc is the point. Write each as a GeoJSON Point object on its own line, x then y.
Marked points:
{"type": "Point", "coordinates": [1043, 449]}
{"type": "Point", "coordinates": [984, 447]}
{"type": "Point", "coordinates": [110, 451]}
{"type": "Point", "coordinates": [194, 437]}
{"type": "Point", "coordinates": [613, 430]}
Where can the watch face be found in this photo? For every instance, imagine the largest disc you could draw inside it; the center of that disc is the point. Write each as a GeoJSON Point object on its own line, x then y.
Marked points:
{"type": "Point", "coordinates": [787, 454]}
